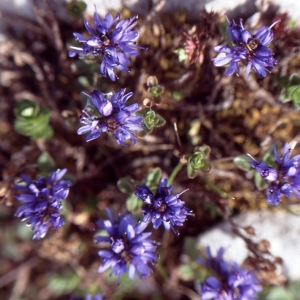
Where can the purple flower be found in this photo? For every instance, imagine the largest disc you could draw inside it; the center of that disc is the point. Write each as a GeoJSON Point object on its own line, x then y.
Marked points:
{"type": "Point", "coordinates": [230, 281]}
{"type": "Point", "coordinates": [265, 171]}
{"type": "Point", "coordinates": [112, 40]}
{"type": "Point", "coordinates": [42, 201]}
{"type": "Point", "coordinates": [111, 116]}
{"type": "Point", "coordinates": [274, 194]}
{"type": "Point", "coordinates": [88, 297]}
{"type": "Point", "coordinates": [230, 55]}
{"type": "Point", "coordinates": [164, 207]}
{"type": "Point", "coordinates": [285, 178]}
{"type": "Point", "coordinates": [251, 48]}
{"type": "Point", "coordinates": [129, 248]}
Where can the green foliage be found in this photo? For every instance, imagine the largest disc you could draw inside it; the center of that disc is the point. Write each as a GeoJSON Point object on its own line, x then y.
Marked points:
{"type": "Point", "coordinates": [75, 8]}
{"type": "Point", "coordinates": [260, 182]}
{"type": "Point", "coordinates": [182, 54]}
{"type": "Point", "coordinates": [177, 95]}
{"type": "Point", "coordinates": [32, 120]}
{"type": "Point", "coordinates": [223, 29]}
{"type": "Point", "coordinates": [126, 285]}
{"type": "Point", "coordinates": [133, 203]}
{"type": "Point", "coordinates": [64, 283]}
{"type": "Point", "coordinates": [269, 157]}
{"type": "Point", "coordinates": [186, 272]}
{"type": "Point", "coordinates": [243, 161]}
{"type": "Point", "coordinates": [291, 292]}
{"type": "Point", "coordinates": [198, 161]}
{"type": "Point", "coordinates": [127, 185]}
{"type": "Point", "coordinates": [212, 209]}
{"type": "Point", "coordinates": [154, 89]}
{"type": "Point", "coordinates": [190, 247]}
{"type": "Point", "coordinates": [45, 163]}
{"type": "Point", "coordinates": [151, 120]}
{"type": "Point", "coordinates": [291, 90]}
{"type": "Point", "coordinates": [153, 179]}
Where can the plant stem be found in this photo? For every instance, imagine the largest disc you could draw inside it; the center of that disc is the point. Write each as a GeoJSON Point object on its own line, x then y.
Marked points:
{"type": "Point", "coordinates": [174, 173]}
{"type": "Point", "coordinates": [217, 190]}
{"type": "Point", "coordinates": [162, 271]}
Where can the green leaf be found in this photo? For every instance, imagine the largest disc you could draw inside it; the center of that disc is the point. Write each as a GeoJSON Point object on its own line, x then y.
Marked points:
{"type": "Point", "coordinates": [243, 161]}
{"type": "Point", "coordinates": [186, 272]}
{"type": "Point", "coordinates": [182, 55]}
{"type": "Point", "coordinates": [133, 203]}
{"type": "Point", "coordinates": [153, 178]}
{"type": "Point", "coordinates": [290, 210]}
{"type": "Point", "coordinates": [296, 97]}
{"type": "Point", "coordinates": [126, 185]}
{"type": "Point", "coordinates": [205, 149]}
{"type": "Point", "coordinates": [177, 96]}
{"type": "Point", "coordinates": [44, 133]}
{"type": "Point", "coordinates": [280, 293]}
{"type": "Point", "coordinates": [149, 119]}
{"type": "Point", "coordinates": [26, 109]}
{"type": "Point", "coordinates": [85, 66]}
{"type": "Point", "coordinates": [85, 81]}
{"type": "Point", "coordinates": [196, 160]}
{"type": "Point", "coordinates": [191, 247]}
{"type": "Point", "coordinates": [294, 79]}
{"type": "Point", "coordinates": [75, 8]}
{"type": "Point", "coordinates": [64, 283]}
{"type": "Point", "coordinates": [269, 157]}
{"type": "Point", "coordinates": [143, 112]}
{"type": "Point", "coordinates": [191, 172]}
{"type": "Point", "coordinates": [290, 90]}
{"type": "Point", "coordinates": [155, 91]}
{"type": "Point", "coordinates": [45, 163]}
{"type": "Point", "coordinates": [152, 81]}
{"type": "Point", "coordinates": [206, 167]}
{"type": "Point", "coordinates": [32, 120]}
{"type": "Point", "coordinates": [144, 132]}
{"type": "Point", "coordinates": [159, 121]}
{"type": "Point", "coordinates": [260, 182]}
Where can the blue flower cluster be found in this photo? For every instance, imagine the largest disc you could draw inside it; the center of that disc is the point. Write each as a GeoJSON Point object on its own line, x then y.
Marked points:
{"type": "Point", "coordinates": [230, 281]}
{"type": "Point", "coordinates": [285, 178]}
{"type": "Point", "coordinates": [42, 201]}
{"type": "Point", "coordinates": [163, 207]}
{"type": "Point", "coordinates": [252, 48]}
{"type": "Point", "coordinates": [113, 40]}
{"type": "Point", "coordinates": [112, 116]}
{"type": "Point", "coordinates": [129, 248]}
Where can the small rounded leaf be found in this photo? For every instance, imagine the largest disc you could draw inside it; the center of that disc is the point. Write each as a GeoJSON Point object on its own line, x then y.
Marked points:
{"type": "Point", "coordinates": [243, 161]}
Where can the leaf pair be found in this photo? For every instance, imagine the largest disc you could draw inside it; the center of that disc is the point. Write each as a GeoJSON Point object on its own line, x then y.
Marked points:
{"type": "Point", "coordinates": [32, 120]}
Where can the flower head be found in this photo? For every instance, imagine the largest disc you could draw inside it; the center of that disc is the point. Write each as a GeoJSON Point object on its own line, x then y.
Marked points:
{"type": "Point", "coordinates": [230, 281]}
{"type": "Point", "coordinates": [112, 40]}
{"type": "Point", "coordinates": [129, 249]}
{"type": "Point", "coordinates": [284, 178]}
{"type": "Point", "coordinates": [42, 201]}
{"type": "Point", "coordinates": [251, 48]}
{"type": "Point", "coordinates": [163, 207]}
{"type": "Point", "coordinates": [111, 116]}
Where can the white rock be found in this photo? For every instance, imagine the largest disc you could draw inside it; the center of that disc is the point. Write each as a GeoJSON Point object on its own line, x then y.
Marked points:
{"type": "Point", "coordinates": [280, 228]}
